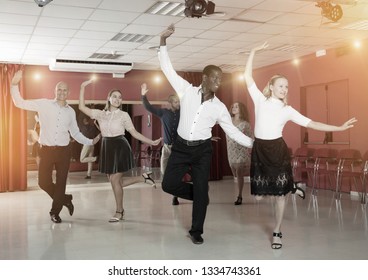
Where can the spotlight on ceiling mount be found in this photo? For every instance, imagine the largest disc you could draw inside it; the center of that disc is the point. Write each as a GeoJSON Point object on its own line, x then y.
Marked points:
{"type": "Point", "coordinates": [42, 3]}
{"type": "Point", "coordinates": [332, 12]}
{"type": "Point", "coordinates": [198, 8]}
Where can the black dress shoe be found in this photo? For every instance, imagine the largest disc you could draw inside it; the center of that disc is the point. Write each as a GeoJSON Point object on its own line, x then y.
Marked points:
{"type": "Point", "coordinates": [87, 177]}
{"type": "Point", "coordinates": [196, 239]}
{"type": "Point", "coordinates": [69, 204]}
{"type": "Point", "coordinates": [55, 218]}
{"type": "Point", "coordinates": [175, 201]}
{"type": "Point", "coordinates": [70, 207]}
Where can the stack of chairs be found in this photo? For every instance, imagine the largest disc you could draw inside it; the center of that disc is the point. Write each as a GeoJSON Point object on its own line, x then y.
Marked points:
{"type": "Point", "coordinates": [299, 163]}
{"type": "Point", "coordinates": [348, 168]}
{"type": "Point", "coordinates": [324, 161]}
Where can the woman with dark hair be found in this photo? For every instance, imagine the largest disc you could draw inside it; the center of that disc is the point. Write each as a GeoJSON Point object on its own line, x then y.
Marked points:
{"type": "Point", "coordinates": [270, 170]}
{"type": "Point", "coordinates": [238, 155]}
{"type": "Point", "coordinates": [116, 154]}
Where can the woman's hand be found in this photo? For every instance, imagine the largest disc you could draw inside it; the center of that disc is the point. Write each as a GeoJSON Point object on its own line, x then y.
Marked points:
{"type": "Point", "coordinates": [156, 142]}
{"type": "Point", "coordinates": [96, 139]}
{"type": "Point", "coordinates": [261, 47]}
{"type": "Point", "coordinates": [86, 83]}
{"type": "Point", "coordinates": [349, 124]}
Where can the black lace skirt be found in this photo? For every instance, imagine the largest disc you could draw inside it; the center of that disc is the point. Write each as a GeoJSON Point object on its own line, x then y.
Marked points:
{"type": "Point", "coordinates": [270, 171]}
{"type": "Point", "coordinates": [115, 155]}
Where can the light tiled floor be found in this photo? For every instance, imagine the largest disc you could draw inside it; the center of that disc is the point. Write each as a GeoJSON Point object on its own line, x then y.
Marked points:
{"type": "Point", "coordinates": [154, 229]}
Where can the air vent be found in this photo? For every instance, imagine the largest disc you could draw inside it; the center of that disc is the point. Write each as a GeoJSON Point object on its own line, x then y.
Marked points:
{"type": "Point", "coordinates": [131, 38]}
{"type": "Point", "coordinates": [167, 8]}
{"type": "Point", "coordinates": [106, 56]}
{"type": "Point", "coordinates": [290, 48]}
{"type": "Point", "coordinates": [229, 68]}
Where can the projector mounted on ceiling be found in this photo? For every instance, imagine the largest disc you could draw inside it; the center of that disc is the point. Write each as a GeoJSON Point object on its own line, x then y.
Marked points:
{"type": "Point", "coordinates": [198, 8]}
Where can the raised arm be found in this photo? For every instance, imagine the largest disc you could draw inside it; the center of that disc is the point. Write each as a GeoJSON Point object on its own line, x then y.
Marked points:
{"type": "Point", "coordinates": [31, 105]}
{"type": "Point", "coordinates": [326, 127]}
{"type": "Point", "coordinates": [147, 105]}
{"type": "Point", "coordinates": [82, 106]}
{"type": "Point", "coordinates": [248, 76]}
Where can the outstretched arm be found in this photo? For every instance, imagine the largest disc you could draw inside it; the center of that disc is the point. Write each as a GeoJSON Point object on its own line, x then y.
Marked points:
{"type": "Point", "coordinates": [327, 127]}
{"type": "Point", "coordinates": [249, 65]}
{"type": "Point", "coordinates": [143, 138]}
{"type": "Point", "coordinates": [82, 106]}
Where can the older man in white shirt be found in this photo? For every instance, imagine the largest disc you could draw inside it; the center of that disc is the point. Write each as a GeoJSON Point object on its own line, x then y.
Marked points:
{"type": "Point", "coordinates": [57, 123]}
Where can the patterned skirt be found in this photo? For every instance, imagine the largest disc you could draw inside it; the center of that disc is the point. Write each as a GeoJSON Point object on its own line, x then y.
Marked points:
{"type": "Point", "coordinates": [115, 155]}
{"type": "Point", "coordinates": [270, 170]}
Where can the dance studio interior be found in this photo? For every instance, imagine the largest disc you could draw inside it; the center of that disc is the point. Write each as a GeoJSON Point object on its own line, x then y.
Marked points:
{"type": "Point", "coordinates": [320, 46]}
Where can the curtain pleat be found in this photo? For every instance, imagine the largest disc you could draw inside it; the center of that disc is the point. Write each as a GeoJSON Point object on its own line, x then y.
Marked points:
{"type": "Point", "coordinates": [13, 135]}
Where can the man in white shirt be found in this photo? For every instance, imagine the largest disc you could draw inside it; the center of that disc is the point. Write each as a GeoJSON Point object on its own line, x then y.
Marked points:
{"type": "Point", "coordinates": [57, 123]}
{"type": "Point", "coordinates": [200, 111]}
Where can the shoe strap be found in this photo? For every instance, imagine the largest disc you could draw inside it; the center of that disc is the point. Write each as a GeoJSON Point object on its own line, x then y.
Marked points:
{"type": "Point", "coordinates": [277, 234]}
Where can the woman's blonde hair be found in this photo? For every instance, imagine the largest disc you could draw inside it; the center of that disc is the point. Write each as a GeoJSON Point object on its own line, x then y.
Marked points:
{"type": "Point", "coordinates": [108, 104]}
{"type": "Point", "coordinates": [267, 91]}
{"type": "Point", "coordinates": [243, 111]}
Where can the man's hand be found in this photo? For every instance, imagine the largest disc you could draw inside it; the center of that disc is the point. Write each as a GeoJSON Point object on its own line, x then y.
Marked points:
{"type": "Point", "coordinates": [17, 77]}
{"type": "Point", "coordinates": [166, 34]}
{"type": "Point", "coordinates": [144, 89]}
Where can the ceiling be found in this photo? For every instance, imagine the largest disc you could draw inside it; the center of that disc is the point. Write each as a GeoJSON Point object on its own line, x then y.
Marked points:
{"type": "Point", "coordinates": [81, 29]}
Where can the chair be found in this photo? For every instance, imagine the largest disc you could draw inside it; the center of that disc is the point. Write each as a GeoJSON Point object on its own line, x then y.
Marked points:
{"type": "Point", "coordinates": [364, 174]}
{"type": "Point", "coordinates": [299, 162]}
{"type": "Point", "coordinates": [324, 160]}
{"type": "Point", "coordinates": [348, 162]}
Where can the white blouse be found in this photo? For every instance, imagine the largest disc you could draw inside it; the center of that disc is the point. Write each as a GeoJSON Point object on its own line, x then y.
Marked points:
{"type": "Point", "coordinates": [271, 115]}
{"type": "Point", "coordinates": [112, 123]}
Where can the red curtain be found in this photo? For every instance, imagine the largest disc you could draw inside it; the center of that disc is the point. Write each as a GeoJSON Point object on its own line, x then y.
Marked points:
{"type": "Point", "coordinates": [13, 135]}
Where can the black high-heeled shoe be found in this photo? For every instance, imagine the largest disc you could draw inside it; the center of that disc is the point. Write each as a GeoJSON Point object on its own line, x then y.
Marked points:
{"type": "Point", "coordinates": [147, 177]}
{"type": "Point", "coordinates": [238, 201]}
{"type": "Point", "coordinates": [296, 188]}
{"type": "Point", "coordinates": [276, 245]}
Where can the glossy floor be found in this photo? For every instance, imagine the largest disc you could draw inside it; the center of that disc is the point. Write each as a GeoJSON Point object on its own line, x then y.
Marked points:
{"type": "Point", "coordinates": [155, 229]}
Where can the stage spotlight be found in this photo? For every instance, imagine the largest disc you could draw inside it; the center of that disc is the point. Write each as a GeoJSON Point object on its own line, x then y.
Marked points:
{"type": "Point", "coordinates": [332, 12]}
{"type": "Point", "coordinates": [198, 8]}
{"type": "Point", "coordinates": [42, 3]}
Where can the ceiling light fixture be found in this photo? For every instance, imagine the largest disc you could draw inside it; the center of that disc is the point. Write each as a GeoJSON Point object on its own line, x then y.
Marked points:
{"type": "Point", "coordinates": [198, 8]}
{"type": "Point", "coordinates": [332, 12]}
{"type": "Point", "coordinates": [42, 3]}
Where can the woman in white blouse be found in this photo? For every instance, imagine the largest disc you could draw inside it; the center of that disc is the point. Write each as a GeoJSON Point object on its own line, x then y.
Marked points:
{"type": "Point", "coordinates": [116, 155]}
{"type": "Point", "coordinates": [270, 170]}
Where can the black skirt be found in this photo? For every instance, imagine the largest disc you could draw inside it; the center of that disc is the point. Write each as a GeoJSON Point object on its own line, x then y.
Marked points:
{"type": "Point", "coordinates": [270, 171]}
{"type": "Point", "coordinates": [115, 155]}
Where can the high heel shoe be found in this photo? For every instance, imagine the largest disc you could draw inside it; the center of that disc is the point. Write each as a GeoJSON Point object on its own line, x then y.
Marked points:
{"type": "Point", "coordinates": [115, 219]}
{"type": "Point", "coordinates": [298, 190]}
{"type": "Point", "coordinates": [276, 245]}
{"type": "Point", "coordinates": [238, 201]}
{"type": "Point", "coordinates": [147, 177]}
